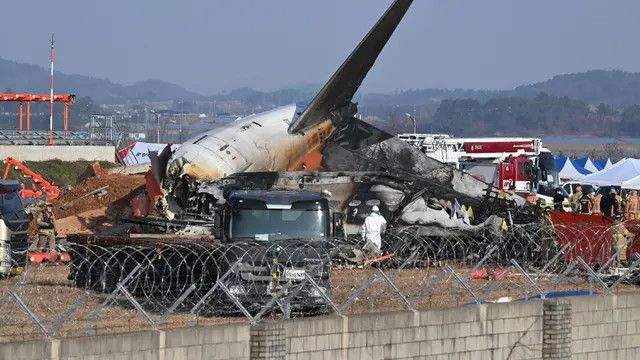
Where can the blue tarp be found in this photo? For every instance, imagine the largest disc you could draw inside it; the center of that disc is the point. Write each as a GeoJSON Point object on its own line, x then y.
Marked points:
{"type": "Point", "coordinates": [560, 162]}
{"type": "Point", "coordinates": [600, 163]}
{"type": "Point", "coordinates": [580, 167]}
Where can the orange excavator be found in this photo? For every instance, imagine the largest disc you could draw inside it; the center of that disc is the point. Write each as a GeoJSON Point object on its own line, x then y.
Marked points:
{"type": "Point", "coordinates": [35, 186]}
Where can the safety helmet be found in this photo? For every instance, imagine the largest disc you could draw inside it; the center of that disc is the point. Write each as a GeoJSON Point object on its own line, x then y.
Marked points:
{"type": "Point", "coordinates": [375, 208]}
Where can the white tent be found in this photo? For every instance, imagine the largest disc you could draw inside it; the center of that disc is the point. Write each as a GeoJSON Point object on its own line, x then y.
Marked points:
{"type": "Point", "coordinates": [608, 164]}
{"type": "Point", "coordinates": [618, 173]}
{"type": "Point", "coordinates": [588, 165]}
{"type": "Point", "coordinates": [632, 184]}
{"type": "Point", "coordinates": [570, 172]}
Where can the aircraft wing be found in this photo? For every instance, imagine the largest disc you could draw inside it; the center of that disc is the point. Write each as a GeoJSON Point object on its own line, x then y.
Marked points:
{"type": "Point", "coordinates": [342, 86]}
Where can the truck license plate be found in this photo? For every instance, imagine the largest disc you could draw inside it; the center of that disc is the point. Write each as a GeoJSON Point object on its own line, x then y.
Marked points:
{"type": "Point", "coordinates": [294, 274]}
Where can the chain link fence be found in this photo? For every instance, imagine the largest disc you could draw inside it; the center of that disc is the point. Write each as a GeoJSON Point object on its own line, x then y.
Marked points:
{"type": "Point", "coordinates": [117, 285]}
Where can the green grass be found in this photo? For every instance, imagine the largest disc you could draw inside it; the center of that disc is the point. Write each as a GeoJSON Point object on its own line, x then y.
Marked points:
{"type": "Point", "coordinates": [57, 171]}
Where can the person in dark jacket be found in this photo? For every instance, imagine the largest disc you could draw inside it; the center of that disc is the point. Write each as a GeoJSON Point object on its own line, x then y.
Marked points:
{"type": "Point", "coordinates": [558, 197]}
{"type": "Point", "coordinates": [608, 202]}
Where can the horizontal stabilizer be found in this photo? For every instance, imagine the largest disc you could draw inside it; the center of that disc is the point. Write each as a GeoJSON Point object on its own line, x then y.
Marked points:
{"type": "Point", "coordinates": [340, 89]}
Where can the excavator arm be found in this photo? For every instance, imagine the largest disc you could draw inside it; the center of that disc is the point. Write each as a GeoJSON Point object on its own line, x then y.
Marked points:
{"type": "Point", "coordinates": [39, 188]}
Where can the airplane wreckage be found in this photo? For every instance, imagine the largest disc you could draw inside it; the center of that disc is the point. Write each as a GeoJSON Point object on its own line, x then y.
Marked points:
{"type": "Point", "coordinates": [323, 147]}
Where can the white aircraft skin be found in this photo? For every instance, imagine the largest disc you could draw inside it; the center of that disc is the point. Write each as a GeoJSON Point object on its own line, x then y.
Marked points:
{"type": "Point", "coordinates": [286, 138]}
{"type": "Point", "coordinates": [252, 144]}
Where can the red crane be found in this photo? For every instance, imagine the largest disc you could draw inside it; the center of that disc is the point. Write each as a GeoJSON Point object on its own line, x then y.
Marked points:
{"type": "Point", "coordinates": [66, 99]}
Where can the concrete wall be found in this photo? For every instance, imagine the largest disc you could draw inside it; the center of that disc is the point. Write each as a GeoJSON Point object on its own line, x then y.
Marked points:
{"type": "Point", "coordinates": [26, 350]}
{"type": "Point", "coordinates": [595, 327]}
{"type": "Point", "coordinates": [66, 153]}
{"type": "Point", "coordinates": [213, 342]}
{"type": "Point", "coordinates": [473, 332]}
{"type": "Point", "coordinates": [606, 327]}
{"type": "Point", "coordinates": [144, 345]}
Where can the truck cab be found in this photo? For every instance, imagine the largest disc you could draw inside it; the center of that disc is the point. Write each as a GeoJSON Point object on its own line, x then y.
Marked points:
{"type": "Point", "coordinates": [265, 215]}
{"type": "Point", "coordinates": [275, 239]}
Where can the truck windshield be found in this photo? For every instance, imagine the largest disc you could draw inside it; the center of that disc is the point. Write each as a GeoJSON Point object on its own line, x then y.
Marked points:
{"type": "Point", "coordinates": [278, 224]}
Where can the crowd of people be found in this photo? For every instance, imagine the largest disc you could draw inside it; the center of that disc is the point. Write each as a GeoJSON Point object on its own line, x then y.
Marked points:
{"type": "Point", "coordinates": [608, 202]}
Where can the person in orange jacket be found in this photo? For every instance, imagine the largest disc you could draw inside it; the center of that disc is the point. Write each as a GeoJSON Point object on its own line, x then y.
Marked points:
{"type": "Point", "coordinates": [632, 207]}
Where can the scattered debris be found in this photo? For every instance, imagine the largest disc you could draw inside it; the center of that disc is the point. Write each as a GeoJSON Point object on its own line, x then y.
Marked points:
{"type": "Point", "coordinates": [122, 188]}
{"type": "Point", "coordinates": [100, 192]}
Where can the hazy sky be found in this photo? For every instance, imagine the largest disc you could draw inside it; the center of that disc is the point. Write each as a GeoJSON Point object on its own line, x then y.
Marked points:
{"type": "Point", "coordinates": [214, 45]}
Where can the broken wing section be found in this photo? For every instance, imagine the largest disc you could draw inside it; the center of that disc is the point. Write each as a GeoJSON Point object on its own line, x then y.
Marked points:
{"type": "Point", "coordinates": [362, 147]}
{"type": "Point", "coordinates": [337, 93]}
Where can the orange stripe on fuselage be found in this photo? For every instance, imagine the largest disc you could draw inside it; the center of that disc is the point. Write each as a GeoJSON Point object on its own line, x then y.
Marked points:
{"type": "Point", "coordinates": [314, 139]}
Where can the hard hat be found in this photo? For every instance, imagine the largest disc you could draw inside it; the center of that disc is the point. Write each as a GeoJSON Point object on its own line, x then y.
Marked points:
{"type": "Point", "coordinates": [375, 208]}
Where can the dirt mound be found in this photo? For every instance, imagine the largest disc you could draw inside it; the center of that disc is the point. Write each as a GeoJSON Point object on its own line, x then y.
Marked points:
{"type": "Point", "coordinates": [122, 188]}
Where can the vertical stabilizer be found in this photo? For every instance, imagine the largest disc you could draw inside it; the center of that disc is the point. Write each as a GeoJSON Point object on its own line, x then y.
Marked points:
{"type": "Point", "coordinates": [340, 89]}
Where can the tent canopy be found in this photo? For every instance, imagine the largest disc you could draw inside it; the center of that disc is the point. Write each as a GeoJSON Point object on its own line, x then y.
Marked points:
{"type": "Point", "coordinates": [569, 170]}
{"type": "Point", "coordinates": [600, 163]}
{"type": "Point", "coordinates": [586, 163]}
{"type": "Point", "coordinates": [632, 184]}
{"type": "Point", "coordinates": [560, 162]}
{"type": "Point", "coordinates": [622, 171]}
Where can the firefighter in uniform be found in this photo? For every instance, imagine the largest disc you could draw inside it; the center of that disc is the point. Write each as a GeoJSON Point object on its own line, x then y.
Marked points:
{"type": "Point", "coordinates": [46, 238]}
{"type": "Point", "coordinates": [558, 199]}
{"type": "Point", "coordinates": [586, 203]}
{"type": "Point", "coordinates": [596, 204]}
{"type": "Point", "coordinates": [575, 199]}
{"type": "Point", "coordinates": [620, 235]}
{"type": "Point", "coordinates": [632, 207]}
{"type": "Point", "coordinates": [619, 204]}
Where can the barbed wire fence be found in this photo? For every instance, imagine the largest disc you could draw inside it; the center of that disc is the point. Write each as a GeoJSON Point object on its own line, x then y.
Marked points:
{"type": "Point", "coordinates": [117, 285]}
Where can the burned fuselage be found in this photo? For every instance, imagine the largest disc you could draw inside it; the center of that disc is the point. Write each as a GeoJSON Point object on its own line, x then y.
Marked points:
{"type": "Point", "coordinates": [256, 143]}
{"type": "Point", "coordinates": [289, 137]}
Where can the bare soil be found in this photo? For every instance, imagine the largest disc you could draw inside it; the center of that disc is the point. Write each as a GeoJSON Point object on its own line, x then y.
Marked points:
{"type": "Point", "coordinates": [122, 188]}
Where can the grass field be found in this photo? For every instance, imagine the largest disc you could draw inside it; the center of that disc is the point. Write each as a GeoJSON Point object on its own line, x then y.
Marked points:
{"type": "Point", "coordinates": [62, 173]}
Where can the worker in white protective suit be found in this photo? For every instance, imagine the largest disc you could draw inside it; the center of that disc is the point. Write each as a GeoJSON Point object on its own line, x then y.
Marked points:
{"type": "Point", "coordinates": [372, 229]}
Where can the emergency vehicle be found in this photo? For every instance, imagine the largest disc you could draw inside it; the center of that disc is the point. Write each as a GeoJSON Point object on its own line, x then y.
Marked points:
{"type": "Point", "coordinates": [519, 164]}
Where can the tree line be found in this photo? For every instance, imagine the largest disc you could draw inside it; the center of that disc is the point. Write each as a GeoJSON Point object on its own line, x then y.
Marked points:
{"type": "Point", "coordinates": [542, 114]}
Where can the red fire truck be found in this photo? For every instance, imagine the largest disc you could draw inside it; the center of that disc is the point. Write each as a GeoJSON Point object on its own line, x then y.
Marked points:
{"type": "Point", "coordinates": [519, 164]}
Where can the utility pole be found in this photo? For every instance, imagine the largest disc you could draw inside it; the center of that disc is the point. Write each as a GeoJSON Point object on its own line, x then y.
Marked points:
{"type": "Point", "coordinates": [51, 94]}
{"type": "Point", "coordinates": [157, 126]}
{"type": "Point", "coordinates": [415, 126]}
{"type": "Point", "coordinates": [413, 119]}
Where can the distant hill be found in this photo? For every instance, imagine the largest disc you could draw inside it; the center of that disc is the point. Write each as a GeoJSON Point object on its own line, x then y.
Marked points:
{"type": "Point", "coordinates": [31, 78]}
{"type": "Point", "coordinates": [263, 99]}
{"type": "Point", "coordinates": [613, 87]}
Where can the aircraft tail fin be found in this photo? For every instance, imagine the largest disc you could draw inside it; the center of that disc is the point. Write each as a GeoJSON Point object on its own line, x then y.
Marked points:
{"type": "Point", "coordinates": [340, 89]}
